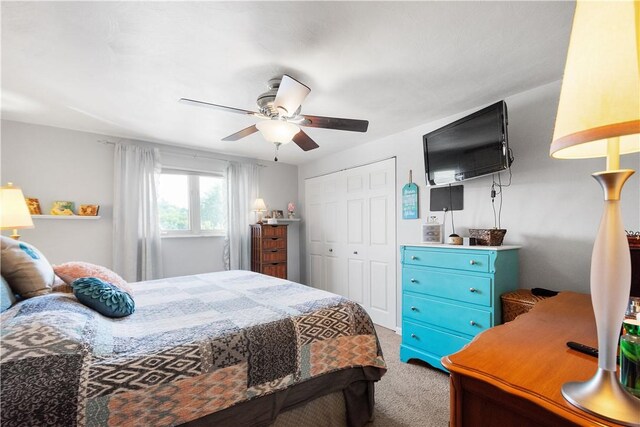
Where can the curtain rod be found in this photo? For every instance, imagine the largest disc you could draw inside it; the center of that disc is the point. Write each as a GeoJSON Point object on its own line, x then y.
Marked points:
{"type": "Point", "coordinates": [179, 153]}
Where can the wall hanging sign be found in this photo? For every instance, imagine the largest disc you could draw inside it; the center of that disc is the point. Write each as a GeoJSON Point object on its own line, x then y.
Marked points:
{"type": "Point", "coordinates": [410, 199]}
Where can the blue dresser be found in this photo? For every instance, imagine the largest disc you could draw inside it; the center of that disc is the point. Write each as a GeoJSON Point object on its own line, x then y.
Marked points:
{"type": "Point", "coordinates": [450, 294]}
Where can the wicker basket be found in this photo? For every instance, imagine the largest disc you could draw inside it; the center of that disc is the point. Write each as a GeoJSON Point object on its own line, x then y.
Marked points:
{"type": "Point", "coordinates": [518, 302]}
{"type": "Point", "coordinates": [488, 236]}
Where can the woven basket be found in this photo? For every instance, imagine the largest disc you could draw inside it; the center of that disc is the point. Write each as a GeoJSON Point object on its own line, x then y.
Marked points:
{"type": "Point", "coordinates": [518, 302]}
{"type": "Point", "coordinates": [488, 236]}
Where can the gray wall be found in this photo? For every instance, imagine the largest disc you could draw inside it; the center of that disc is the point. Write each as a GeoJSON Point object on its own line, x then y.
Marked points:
{"type": "Point", "coordinates": [552, 208]}
{"type": "Point", "coordinates": [59, 164]}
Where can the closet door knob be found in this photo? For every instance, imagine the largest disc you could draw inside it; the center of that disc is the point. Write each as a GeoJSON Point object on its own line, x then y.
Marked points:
{"type": "Point", "coordinates": [330, 250]}
{"type": "Point", "coordinates": [355, 252]}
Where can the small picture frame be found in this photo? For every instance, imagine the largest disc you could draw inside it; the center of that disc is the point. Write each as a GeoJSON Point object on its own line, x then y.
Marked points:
{"type": "Point", "coordinates": [34, 205]}
{"type": "Point", "coordinates": [62, 207]}
{"type": "Point", "coordinates": [278, 214]}
{"type": "Point", "coordinates": [88, 210]}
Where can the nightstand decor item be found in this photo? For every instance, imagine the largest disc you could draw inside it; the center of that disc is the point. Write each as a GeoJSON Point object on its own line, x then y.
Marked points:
{"type": "Point", "coordinates": [599, 116]}
{"type": "Point", "coordinates": [260, 208]}
{"type": "Point", "coordinates": [14, 213]}
{"type": "Point", "coordinates": [488, 236]}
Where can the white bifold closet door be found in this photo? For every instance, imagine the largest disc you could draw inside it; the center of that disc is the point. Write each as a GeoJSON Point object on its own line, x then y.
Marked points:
{"type": "Point", "coordinates": [351, 236]}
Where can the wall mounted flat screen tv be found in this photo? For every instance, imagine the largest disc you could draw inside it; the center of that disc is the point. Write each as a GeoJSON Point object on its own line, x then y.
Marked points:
{"type": "Point", "coordinates": [470, 147]}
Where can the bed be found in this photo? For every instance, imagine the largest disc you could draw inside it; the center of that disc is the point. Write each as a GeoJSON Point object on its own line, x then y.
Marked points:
{"type": "Point", "coordinates": [227, 348]}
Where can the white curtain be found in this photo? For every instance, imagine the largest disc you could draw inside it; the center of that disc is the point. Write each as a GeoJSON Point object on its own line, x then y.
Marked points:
{"type": "Point", "coordinates": [242, 182]}
{"type": "Point", "coordinates": [136, 230]}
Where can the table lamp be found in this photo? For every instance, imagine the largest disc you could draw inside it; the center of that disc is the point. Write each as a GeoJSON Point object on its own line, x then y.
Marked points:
{"type": "Point", "coordinates": [259, 207]}
{"type": "Point", "coordinates": [14, 213]}
{"type": "Point", "coordinates": [599, 116]}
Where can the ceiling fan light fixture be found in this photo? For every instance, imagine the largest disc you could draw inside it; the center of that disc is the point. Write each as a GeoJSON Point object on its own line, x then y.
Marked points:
{"type": "Point", "coordinates": [277, 131]}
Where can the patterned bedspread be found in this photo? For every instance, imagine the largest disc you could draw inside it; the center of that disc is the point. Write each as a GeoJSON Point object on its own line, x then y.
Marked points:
{"type": "Point", "coordinates": [195, 345]}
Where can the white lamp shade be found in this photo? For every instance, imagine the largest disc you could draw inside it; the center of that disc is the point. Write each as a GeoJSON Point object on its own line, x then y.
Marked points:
{"type": "Point", "coordinates": [600, 96]}
{"type": "Point", "coordinates": [14, 212]}
{"type": "Point", "coordinates": [277, 131]}
{"type": "Point", "coordinates": [259, 205]}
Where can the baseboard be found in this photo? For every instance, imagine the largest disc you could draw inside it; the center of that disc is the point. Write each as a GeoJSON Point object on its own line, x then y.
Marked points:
{"type": "Point", "coordinates": [398, 330]}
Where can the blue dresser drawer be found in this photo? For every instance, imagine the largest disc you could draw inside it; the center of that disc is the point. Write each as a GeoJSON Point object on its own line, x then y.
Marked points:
{"type": "Point", "coordinates": [451, 285]}
{"type": "Point", "coordinates": [431, 341]}
{"type": "Point", "coordinates": [452, 259]}
{"type": "Point", "coordinates": [462, 320]}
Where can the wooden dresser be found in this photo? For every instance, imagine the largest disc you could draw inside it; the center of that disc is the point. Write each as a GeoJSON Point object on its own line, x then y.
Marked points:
{"type": "Point", "coordinates": [512, 375]}
{"type": "Point", "coordinates": [450, 294]}
{"type": "Point", "coordinates": [269, 249]}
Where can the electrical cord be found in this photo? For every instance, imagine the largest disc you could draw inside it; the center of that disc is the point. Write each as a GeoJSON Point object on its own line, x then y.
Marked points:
{"type": "Point", "coordinates": [453, 227]}
{"type": "Point", "coordinates": [497, 217]}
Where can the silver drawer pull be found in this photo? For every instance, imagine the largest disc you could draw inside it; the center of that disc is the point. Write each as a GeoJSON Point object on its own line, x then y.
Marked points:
{"type": "Point", "coordinates": [472, 323]}
{"type": "Point", "coordinates": [414, 309]}
{"type": "Point", "coordinates": [473, 290]}
{"type": "Point", "coordinates": [414, 336]}
{"type": "Point", "coordinates": [472, 262]}
{"type": "Point", "coordinates": [413, 257]}
{"type": "Point", "coordinates": [414, 281]}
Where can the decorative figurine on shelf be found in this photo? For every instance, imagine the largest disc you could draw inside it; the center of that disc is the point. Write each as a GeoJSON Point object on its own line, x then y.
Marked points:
{"type": "Point", "coordinates": [291, 208]}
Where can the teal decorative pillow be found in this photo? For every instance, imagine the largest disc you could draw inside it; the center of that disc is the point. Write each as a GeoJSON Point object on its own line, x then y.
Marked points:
{"type": "Point", "coordinates": [7, 299]}
{"type": "Point", "coordinates": [103, 297]}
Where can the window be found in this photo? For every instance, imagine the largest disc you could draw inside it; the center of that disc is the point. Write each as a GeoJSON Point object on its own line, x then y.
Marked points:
{"type": "Point", "coordinates": [191, 203]}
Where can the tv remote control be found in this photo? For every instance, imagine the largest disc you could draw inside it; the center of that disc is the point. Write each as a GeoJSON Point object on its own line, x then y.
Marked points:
{"type": "Point", "coordinates": [591, 351]}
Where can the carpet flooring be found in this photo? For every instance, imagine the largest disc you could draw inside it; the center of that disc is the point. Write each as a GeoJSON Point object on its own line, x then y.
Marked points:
{"type": "Point", "coordinates": [410, 394]}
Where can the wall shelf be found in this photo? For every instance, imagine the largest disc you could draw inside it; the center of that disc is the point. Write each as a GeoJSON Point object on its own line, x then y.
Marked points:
{"type": "Point", "coordinates": [81, 217]}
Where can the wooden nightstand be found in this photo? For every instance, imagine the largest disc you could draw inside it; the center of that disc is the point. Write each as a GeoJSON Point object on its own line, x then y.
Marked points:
{"type": "Point", "coordinates": [269, 249]}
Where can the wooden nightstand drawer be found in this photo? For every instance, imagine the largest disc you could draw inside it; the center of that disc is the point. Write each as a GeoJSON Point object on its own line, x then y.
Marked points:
{"type": "Point", "coordinates": [274, 255]}
{"type": "Point", "coordinates": [274, 243]}
{"type": "Point", "coordinates": [451, 285]}
{"type": "Point", "coordinates": [275, 270]}
{"type": "Point", "coordinates": [463, 320]}
{"type": "Point", "coordinates": [274, 230]}
{"type": "Point", "coordinates": [454, 259]}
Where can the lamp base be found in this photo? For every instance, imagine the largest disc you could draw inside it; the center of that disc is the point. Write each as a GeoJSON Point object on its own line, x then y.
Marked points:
{"type": "Point", "coordinates": [15, 235]}
{"type": "Point", "coordinates": [603, 395]}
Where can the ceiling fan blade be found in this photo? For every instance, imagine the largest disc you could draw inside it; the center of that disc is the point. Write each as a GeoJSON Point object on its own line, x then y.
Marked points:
{"type": "Point", "coordinates": [352, 125]}
{"type": "Point", "coordinates": [241, 134]}
{"type": "Point", "coordinates": [290, 96]}
{"type": "Point", "coordinates": [304, 141]}
{"type": "Point", "coordinates": [217, 107]}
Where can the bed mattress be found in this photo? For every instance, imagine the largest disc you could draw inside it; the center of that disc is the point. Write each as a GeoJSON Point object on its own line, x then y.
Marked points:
{"type": "Point", "coordinates": [195, 345]}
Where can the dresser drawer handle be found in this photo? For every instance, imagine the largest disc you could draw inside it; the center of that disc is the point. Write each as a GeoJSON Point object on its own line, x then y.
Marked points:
{"type": "Point", "coordinates": [472, 323]}
{"type": "Point", "coordinates": [413, 257]}
{"type": "Point", "coordinates": [414, 308]}
{"type": "Point", "coordinates": [414, 336]}
{"type": "Point", "coordinates": [473, 290]}
{"type": "Point", "coordinates": [274, 238]}
{"type": "Point", "coordinates": [414, 280]}
{"type": "Point", "coordinates": [274, 250]}
{"type": "Point", "coordinates": [274, 263]}
{"type": "Point", "coordinates": [472, 262]}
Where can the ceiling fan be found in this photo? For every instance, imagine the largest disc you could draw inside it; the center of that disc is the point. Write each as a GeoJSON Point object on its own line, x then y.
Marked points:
{"type": "Point", "coordinates": [279, 111]}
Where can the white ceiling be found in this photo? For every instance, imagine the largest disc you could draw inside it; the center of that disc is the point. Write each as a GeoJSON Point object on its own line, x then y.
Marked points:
{"type": "Point", "coordinates": [118, 68]}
